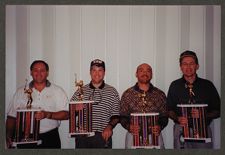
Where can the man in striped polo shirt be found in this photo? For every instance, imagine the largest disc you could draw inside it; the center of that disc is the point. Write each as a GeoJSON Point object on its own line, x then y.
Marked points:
{"type": "Point", "coordinates": [105, 112]}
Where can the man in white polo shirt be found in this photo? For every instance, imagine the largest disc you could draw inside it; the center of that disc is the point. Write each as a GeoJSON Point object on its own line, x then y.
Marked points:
{"type": "Point", "coordinates": [49, 97]}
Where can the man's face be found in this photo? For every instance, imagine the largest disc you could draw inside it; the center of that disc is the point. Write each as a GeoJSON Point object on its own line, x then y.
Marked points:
{"type": "Point", "coordinates": [144, 73]}
{"type": "Point", "coordinates": [189, 67]}
{"type": "Point", "coordinates": [97, 74]}
{"type": "Point", "coordinates": [39, 73]}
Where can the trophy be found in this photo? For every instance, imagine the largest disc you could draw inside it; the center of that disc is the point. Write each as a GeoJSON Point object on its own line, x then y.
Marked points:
{"type": "Point", "coordinates": [195, 129]}
{"type": "Point", "coordinates": [80, 119]}
{"type": "Point", "coordinates": [27, 126]}
{"type": "Point", "coordinates": [146, 137]}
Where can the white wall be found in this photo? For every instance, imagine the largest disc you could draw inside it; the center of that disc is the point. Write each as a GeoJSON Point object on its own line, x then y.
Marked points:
{"type": "Point", "coordinates": [69, 37]}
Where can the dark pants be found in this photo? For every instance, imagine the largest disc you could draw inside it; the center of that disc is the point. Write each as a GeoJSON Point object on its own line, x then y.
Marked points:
{"type": "Point", "coordinates": [49, 139]}
{"type": "Point", "coordinates": [95, 141]}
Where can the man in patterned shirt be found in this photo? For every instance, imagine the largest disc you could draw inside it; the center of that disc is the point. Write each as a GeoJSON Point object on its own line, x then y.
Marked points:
{"type": "Point", "coordinates": [105, 112]}
{"type": "Point", "coordinates": [143, 97]}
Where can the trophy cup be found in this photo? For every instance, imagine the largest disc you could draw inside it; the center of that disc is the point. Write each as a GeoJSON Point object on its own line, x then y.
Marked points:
{"type": "Point", "coordinates": [80, 119]}
{"type": "Point", "coordinates": [27, 126]}
{"type": "Point", "coordinates": [195, 129]}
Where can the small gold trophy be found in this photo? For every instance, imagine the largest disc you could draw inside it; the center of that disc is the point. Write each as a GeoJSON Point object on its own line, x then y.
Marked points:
{"type": "Point", "coordinates": [29, 96]}
{"type": "Point", "coordinates": [79, 85]}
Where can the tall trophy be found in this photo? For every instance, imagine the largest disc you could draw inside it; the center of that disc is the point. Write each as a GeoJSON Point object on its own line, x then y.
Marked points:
{"type": "Point", "coordinates": [80, 111]}
{"type": "Point", "coordinates": [195, 129]}
{"type": "Point", "coordinates": [147, 136]}
{"type": "Point", "coordinates": [27, 126]}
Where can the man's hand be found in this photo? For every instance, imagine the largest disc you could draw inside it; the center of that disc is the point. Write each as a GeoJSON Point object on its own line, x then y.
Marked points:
{"type": "Point", "coordinates": [43, 114]}
{"type": "Point", "coordinates": [156, 130]}
{"type": "Point", "coordinates": [183, 121]}
{"type": "Point", "coordinates": [107, 132]}
{"type": "Point", "coordinates": [134, 129]}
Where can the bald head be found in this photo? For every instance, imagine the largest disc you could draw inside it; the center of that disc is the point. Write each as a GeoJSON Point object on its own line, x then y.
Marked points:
{"type": "Point", "coordinates": [144, 65]}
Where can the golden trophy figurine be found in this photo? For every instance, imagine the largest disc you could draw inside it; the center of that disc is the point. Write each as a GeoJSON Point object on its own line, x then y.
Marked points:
{"type": "Point", "coordinates": [29, 96]}
{"type": "Point", "coordinates": [79, 86]}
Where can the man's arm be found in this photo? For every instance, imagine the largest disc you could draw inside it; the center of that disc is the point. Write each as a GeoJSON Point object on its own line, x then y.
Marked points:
{"type": "Point", "coordinates": [113, 121]}
{"type": "Point", "coordinates": [173, 116]}
{"type": "Point", "coordinates": [125, 122]}
{"type": "Point", "coordinates": [163, 121]}
{"type": "Point", "coordinates": [10, 130]}
{"type": "Point", "coordinates": [60, 115]}
{"type": "Point", "coordinates": [109, 128]}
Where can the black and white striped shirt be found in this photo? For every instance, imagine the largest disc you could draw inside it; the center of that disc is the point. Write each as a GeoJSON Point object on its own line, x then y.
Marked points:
{"type": "Point", "coordinates": [106, 104]}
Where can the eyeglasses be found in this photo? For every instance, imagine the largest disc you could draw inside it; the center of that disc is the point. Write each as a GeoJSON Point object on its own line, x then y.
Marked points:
{"type": "Point", "coordinates": [188, 64]}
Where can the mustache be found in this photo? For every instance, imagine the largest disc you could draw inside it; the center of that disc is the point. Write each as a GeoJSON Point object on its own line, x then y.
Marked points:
{"type": "Point", "coordinates": [145, 75]}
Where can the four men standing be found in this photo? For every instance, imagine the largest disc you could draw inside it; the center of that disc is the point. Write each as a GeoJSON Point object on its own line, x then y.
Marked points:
{"type": "Point", "coordinates": [108, 110]}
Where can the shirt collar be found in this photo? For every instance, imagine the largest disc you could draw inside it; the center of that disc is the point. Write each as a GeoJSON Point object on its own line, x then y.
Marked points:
{"type": "Point", "coordinates": [101, 86]}
{"type": "Point", "coordinates": [31, 84]}
{"type": "Point", "coordinates": [136, 88]}
{"type": "Point", "coordinates": [186, 82]}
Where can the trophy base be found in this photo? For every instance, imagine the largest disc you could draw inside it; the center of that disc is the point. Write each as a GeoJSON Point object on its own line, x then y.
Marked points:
{"type": "Point", "coordinates": [88, 134]}
{"type": "Point", "coordinates": [26, 142]}
{"type": "Point", "coordinates": [146, 147]}
{"type": "Point", "coordinates": [200, 140]}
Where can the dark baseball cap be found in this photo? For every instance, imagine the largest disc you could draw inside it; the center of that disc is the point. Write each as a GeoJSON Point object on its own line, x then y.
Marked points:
{"type": "Point", "coordinates": [189, 54]}
{"type": "Point", "coordinates": [98, 63]}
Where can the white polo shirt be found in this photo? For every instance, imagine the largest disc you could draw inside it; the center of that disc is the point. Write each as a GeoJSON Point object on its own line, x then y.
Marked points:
{"type": "Point", "coordinates": [52, 98]}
